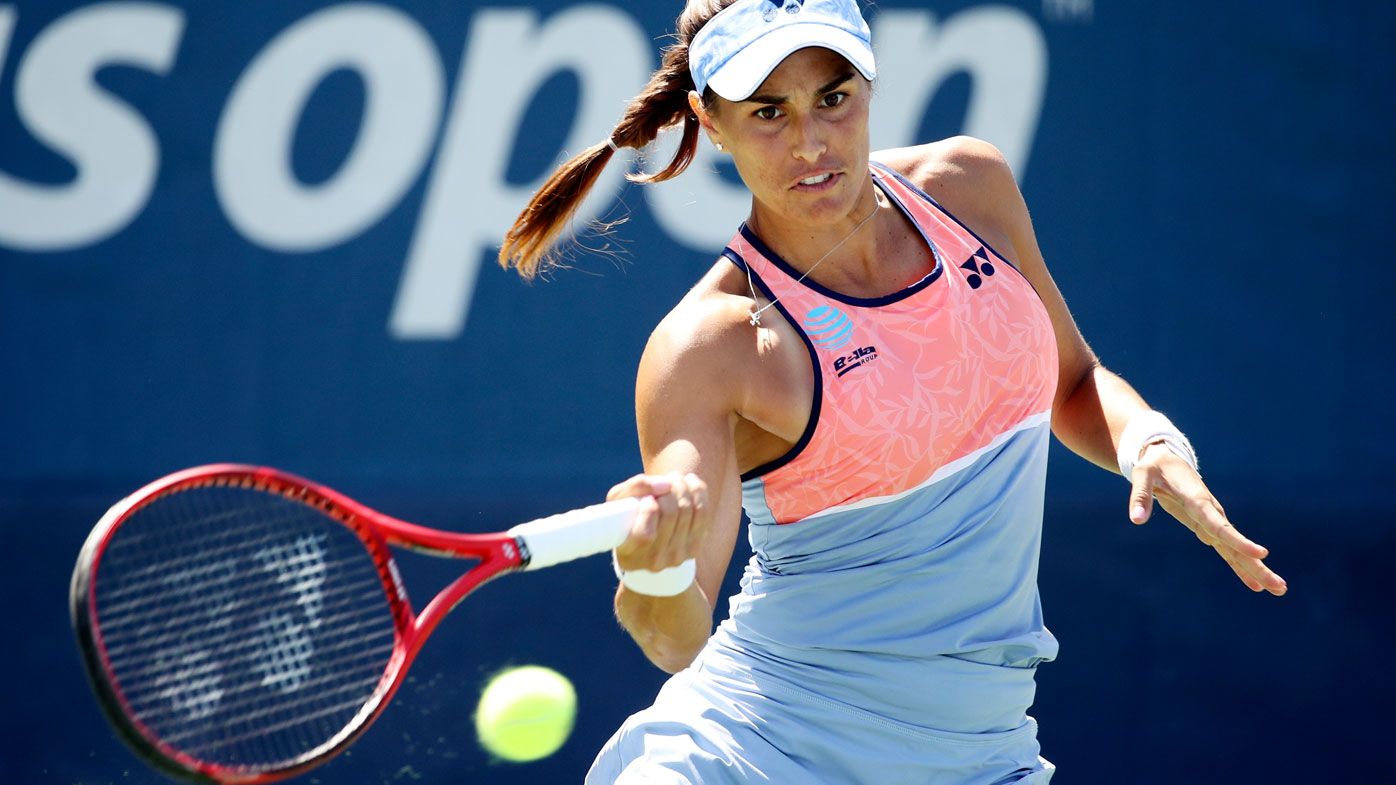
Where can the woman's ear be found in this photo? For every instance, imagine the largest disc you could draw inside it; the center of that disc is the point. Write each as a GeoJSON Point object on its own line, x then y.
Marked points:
{"type": "Point", "coordinates": [695, 105]}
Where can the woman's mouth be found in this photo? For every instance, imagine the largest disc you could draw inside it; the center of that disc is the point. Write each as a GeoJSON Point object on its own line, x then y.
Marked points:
{"type": "Point", "coordinates": [818, 182]}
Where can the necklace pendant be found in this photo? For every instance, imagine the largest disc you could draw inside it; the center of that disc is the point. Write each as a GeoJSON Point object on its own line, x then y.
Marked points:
{"type": "Point", "coordinates": [755, 318]}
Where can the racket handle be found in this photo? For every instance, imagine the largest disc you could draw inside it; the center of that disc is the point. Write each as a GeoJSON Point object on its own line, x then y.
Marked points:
{"type": "Point", "coordinates": [572, 535]}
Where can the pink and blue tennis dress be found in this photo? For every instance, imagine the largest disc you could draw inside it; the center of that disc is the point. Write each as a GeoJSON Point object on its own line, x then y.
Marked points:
{"type": "Point", "coordinates": [888, 626]}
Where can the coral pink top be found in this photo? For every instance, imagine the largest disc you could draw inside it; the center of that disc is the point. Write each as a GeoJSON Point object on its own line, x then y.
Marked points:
{"type": "Point", "coordinates": [910, 384]}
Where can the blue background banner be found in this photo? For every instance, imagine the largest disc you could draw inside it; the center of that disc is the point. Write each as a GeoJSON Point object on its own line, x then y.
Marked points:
{"type": "Point", "coordinates": [264, 232]}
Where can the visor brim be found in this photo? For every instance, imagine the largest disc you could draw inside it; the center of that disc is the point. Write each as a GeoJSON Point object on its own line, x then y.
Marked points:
{"type": "Point", "coordinates": [739, 77]}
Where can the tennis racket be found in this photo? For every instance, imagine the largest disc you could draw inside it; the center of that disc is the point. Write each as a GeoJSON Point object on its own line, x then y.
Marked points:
{"type": "Point", "coordinates": [241, 625]}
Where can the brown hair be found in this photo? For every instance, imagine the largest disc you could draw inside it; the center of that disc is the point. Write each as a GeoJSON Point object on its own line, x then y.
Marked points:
{"type": "Point", "coordinates": [662, 103]}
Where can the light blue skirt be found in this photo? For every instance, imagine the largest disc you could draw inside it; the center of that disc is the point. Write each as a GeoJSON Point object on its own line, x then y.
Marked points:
{"type": "Point", "coordinates": [714, 724]}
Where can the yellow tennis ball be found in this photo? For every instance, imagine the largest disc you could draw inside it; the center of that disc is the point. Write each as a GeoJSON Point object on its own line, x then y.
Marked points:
{"type": "Point", "coordinates": [525, 713]}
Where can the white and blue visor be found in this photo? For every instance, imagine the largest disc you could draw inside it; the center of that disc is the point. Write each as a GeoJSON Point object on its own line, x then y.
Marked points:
{"type": "Point", "coordinates": [743, 43]}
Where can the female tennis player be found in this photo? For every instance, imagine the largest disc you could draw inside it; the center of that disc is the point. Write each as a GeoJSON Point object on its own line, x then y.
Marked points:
{"type": "Point", "coordinates": [871, 368]}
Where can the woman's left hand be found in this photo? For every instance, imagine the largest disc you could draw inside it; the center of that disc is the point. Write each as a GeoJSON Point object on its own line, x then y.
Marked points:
{"type": "Point", "coordinates": [1161, 473]}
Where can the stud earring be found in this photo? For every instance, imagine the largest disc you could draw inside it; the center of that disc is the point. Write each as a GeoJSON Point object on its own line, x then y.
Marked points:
{"type": "Point", "coordinates": [718, 145]}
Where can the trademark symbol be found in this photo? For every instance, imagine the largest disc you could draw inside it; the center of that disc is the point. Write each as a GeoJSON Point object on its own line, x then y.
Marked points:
{"type": "Point", "coordinates": [1068, 10]}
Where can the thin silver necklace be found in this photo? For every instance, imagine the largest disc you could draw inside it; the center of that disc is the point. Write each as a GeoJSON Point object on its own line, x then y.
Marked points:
{"type": "Point", "coordinates": [755, 317]}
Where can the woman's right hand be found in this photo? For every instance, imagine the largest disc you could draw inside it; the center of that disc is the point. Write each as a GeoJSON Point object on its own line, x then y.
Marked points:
{"type": "Point", "coordinates": [673, 519]}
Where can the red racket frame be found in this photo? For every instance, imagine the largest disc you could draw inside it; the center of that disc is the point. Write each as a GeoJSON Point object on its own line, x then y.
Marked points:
{"type": "Point", "coordinates": [497, 553]}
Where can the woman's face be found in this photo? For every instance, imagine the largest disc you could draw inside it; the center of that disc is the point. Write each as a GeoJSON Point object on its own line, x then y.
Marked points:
{"type": "Point", "coordinates": [800, 142]}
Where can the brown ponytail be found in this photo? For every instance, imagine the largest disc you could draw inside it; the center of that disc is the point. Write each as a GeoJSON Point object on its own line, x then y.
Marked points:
{"type": "Point", "coordinates": [528, 245]}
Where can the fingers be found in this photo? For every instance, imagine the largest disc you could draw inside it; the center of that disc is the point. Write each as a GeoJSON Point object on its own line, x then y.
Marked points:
{"type": "Point", "coordinates": [640, 485]}
{"type": "Point", "coordinates": [645, 527]}
{"type": "Point", "coordinates": [1141, 495]}
{"type": "Point", "coordinates": [1254, 573]}
{"type": "Point", "coordinates": [1208, 521]}
{"type": "Point", "coordinates": [670, 523]}
{"type": "Point", "coordinates": [1183, 494]}
{"type": "Point", "coordinates": [674, 520]}
{"type": "Point", "coordinates": [1219, 533]}
{"type": "Point", "coordinates": [1243, 573]}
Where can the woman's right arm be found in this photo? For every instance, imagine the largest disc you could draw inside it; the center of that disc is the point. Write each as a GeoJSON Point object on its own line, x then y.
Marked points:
{"type": "Point", "coordinates": [687, 396]}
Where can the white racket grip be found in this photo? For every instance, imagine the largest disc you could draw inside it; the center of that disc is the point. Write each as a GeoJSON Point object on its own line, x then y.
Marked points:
{"type": "Point", "coordinates": [577, 533]}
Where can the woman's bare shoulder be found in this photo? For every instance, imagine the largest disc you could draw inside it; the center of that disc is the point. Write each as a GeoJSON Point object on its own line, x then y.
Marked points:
{"type": "Point", "coordinates": [713, 313]}
{"type": "Point", "coordinates": [707, 337]}
{"type": "Point", "coordinates": [959, 161]}
{"type": "Point", "coordinates": [970, 178]}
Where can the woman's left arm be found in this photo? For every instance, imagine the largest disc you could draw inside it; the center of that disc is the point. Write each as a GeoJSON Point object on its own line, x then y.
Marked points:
{"type": "Point", "coordinates": [1092, 406]}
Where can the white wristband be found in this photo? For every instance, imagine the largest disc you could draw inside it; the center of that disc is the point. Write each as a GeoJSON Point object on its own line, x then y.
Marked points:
{"type": "Point", "coordinates": [667, 582]}
{"type": "Point", "coordinates": [1150, 427]}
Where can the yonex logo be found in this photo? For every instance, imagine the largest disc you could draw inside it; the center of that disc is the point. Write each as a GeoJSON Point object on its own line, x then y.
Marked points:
{"type": "Point", "coordinates": [975, 268]}
{"type": "Point", "coordinates": [828, 327]}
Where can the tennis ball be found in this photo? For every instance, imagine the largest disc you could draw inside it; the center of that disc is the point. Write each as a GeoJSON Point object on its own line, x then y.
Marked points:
{"type": "Point", "coordinates": [525, 713]}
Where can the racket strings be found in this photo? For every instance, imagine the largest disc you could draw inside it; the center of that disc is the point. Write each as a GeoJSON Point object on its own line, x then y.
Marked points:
{"type": "Point", "coordinates": [242, 628]}
{"type": "Point", "coordinates": [138, 624]}
{"type": "Point", "coordinates": [260, 723]}
{"type": "Point", "coordinates": [160, 574]}
{"type": "Point", "coordinates": [165, 673]}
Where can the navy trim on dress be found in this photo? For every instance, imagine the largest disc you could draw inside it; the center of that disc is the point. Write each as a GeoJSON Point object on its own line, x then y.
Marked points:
{"type": "Point", "coordinates": [862, 302]}
{"type": "Point", "coordinates": [940, 207]}
{"type": "Point", "coordinates": [816, 405]}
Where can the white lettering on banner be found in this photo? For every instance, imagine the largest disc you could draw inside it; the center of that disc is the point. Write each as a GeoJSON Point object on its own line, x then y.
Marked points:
{"type": "Point", "coordinates": [469, 204]}
{"type": "Point", "coordinates": [1000, 48]}
{"type": "Point", "coordinates": [7, 28]}
{"type": "Point", "coordinates": [113, 149]}
{"type": "Point", "coordinates": [700, 208]}
{"type": "Point", "coordinates": [509, 55]}
{"type": "Point", "coordinates": [404, 89]}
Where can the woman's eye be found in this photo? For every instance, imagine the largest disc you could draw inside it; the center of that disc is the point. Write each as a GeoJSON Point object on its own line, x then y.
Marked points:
{"type": "Point", "coordinates": [768, 113]}
{"type": "Point", "coordinates": [834, 99]}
